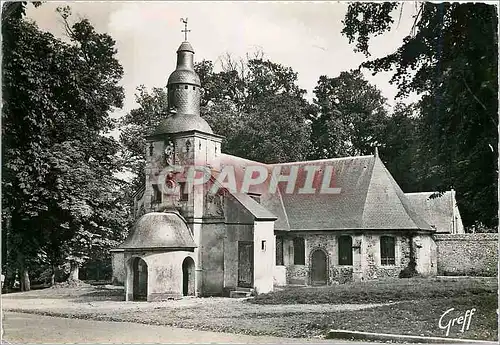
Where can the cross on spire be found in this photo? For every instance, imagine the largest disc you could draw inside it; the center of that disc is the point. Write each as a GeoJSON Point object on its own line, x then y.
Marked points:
{"type": "Point", "coordinates": [185, 21]}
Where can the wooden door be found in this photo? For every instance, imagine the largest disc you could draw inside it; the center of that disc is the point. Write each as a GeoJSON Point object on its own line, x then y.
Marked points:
{"type": "Point", "coordinates": [140, 269]}
{"type": "Point", "coordinates": [319, 268]}
{"type": "Point", "coordinates": [188, 284]}
{"type": "Point", "coordinates": [245, 264]}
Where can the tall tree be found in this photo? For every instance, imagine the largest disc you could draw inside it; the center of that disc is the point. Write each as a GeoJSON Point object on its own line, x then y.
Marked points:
{"type": "Point", "coordinates": [259, 107]}
{"type": "Point", "coordinates": [58, 159]}
{"type": "Point", "coordinates": [450, 58]}
{"type": "Point", "coordinates": [400, 145]}
{"type": "Point", "coordinates": [153, 107]}
{"type": "Point", "coordinates": [351, 116]}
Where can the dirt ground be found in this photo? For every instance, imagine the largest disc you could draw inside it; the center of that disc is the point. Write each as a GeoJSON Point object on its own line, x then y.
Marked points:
{"type": "Point", "coordinates": [411, 307]}
{"type": "Point", "coordinates": [22, 328]}
{"type": "Point", "coordinates": [214, 314]}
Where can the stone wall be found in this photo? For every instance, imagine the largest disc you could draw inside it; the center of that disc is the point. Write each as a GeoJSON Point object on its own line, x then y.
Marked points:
{"type": "Point", "coordinates": [279, 278]}
{"type": "Point", "coordinates": [165, 274]}
{"type": "Point", "coordinates": [371, 254]}
{"type": "Point", "coordinates": [264, 255]}
{"type": "Point", "coordinates": [366, 257]}
{"type": "Point", "coordinates": [467, 254]}
{"type": "Point", "coordinates": [212, 258]}
{"type": "Point", "coordinates": [239, 228]}
{"type": "Point", "coordinates": [118, 266]}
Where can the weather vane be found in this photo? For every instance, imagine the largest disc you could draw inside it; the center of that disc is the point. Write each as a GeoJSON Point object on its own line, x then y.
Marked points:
{"type": "Point", "coordinates": [185, 21]}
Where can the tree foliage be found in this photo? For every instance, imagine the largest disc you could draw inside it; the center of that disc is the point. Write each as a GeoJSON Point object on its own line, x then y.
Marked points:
{"type": "Point", "coordinates": [59, 161]}
{"type": "Point", "coordinates": [350, 119]}
{"type": "Point", "coordinates": [256, 104]}
{"type": "Point", "coordinates": [153, 107]}
{"type": "Point", "coordinates": [259, 107]}
{"type": "Point", "coordinates": [450, 58]}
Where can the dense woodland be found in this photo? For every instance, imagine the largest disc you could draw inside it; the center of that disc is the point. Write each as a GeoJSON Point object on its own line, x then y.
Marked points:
{"type": "Point", "coordinates": [63, 205]}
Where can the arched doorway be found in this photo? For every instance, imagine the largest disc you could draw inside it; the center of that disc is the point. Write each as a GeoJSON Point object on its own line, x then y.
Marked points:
{"type": "Point", "coordinates": [319, 268]}
{"type": "Point", "coordinates": [140, 272]}
{"type": "Point", "coordinates": [188, 286]}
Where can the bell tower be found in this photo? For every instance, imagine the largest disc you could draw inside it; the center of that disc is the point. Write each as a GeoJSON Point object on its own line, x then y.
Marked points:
{"type": "Point", "coordinates": [182, 141]}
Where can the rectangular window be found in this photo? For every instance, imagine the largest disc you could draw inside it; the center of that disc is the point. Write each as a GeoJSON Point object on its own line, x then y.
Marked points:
{"type": "Point", "coordinates": [387, 250]}
{"type": "Point", "coordinates": [184, 196]}
{"type": "Point", "coordinates": [299, 251]}
{"type": "Point", "coordinates": [156, 194]}
{"type": "Point", "coordinates": [263, 245]}
{"type": "Point", "coordinates": [345, 250]}
{"type": "Point", "coordinates": [279, 251]}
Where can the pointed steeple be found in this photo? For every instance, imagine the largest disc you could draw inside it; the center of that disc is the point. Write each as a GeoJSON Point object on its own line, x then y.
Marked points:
{"type": "Point", "coordinates": [184, 95]}
{"type": "Point", "coordinates": [184, 72]}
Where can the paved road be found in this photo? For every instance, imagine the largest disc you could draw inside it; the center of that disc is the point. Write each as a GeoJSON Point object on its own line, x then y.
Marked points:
{"type": "Point", "coordinates": [30, 328]}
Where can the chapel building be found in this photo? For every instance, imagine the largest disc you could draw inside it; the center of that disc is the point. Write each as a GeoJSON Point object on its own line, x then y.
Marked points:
{"type": "Point", "coordinates": [307, 223]}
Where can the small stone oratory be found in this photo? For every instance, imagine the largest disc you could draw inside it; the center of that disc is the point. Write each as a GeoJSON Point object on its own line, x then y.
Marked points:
{"type": "Point", "coordinates": [190, 241]}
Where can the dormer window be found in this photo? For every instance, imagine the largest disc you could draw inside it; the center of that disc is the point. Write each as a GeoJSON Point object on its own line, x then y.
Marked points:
{"type": "Point", "coordinates": [256, 197]}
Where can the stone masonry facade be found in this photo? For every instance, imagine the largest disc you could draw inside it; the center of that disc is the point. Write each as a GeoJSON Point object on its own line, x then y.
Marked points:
{"type": "Point", "coordinates": [366, 258]}
{"type": "Point", "coordinates": [467, 254]}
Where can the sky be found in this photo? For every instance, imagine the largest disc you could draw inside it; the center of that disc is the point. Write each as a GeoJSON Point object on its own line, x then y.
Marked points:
{"type": "Point", "coordinates": [304, 36]}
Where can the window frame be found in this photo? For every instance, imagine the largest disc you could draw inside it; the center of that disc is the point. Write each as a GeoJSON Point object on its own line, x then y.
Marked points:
{"type": "Point", "coordinates": [341, 248]}
{"type": "Point", "coordinates": [182, 188]}
{"type": "Point", "coordinates": [387, 253]}
{"type": "Point", "coordinates": [299, 256]}
{"type": "Point", "coordinates": [157, 194]}
{"type": "Point", "coordinates": [280, 257]}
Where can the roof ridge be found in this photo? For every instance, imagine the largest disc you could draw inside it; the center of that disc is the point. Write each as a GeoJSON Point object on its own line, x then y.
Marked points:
{"type": "Point", "coordinates": [240, 198]}
{"type": "Point", "coordinates": [242, 159]}
{"type": "Point", "coordinates": [399, 201]}
{"type": "Point", "coordinates": [284, 208]}
{"type": "Point", "coordinates": [414, 193]}
{"type": "Point", "coordinates": [370, 181]}
{"type": "Point", "coordinates": [321, 160]}
{"type": "Point", "coordinates": [407, 206]}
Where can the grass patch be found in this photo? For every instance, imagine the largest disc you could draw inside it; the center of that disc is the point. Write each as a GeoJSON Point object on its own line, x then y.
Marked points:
{"type": "Point", "coordinates": [383, 291]}
{"type": "Point", "coordinates": [420, 304]}
{"type": "Point", "coordinates": [419, 318]}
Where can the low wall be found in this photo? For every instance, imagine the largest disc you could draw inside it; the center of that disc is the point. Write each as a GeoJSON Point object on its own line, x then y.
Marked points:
{"type": "Point", "coordinates": [118, 265]}
{"type": "Point", "coordinates": [279, 276]}
{"type": "Point", "coordinates": [467, 254]}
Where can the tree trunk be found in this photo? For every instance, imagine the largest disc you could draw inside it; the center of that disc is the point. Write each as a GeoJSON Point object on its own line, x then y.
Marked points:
{"type": "Point", "coordinates": [53, 277]}
{"type": "Point", "coordinates": [74, 271]}
{"type": "Point", "coordinates": [25, 280]}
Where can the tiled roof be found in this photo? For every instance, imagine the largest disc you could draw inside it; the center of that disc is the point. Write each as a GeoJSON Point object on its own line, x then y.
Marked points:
{"type": "Point", "coordinates": [368, 197]}
{"type": "Point", "coordinates": [258, 211]}
{"type": "Point", "coordinates": [159, 230]}
{"type": "Point", "coordinates": [328, 211]}
{"type": "Point", "coordinates": [438, 211]}
{"type": "Point", "coordinates": [182, 123]}
{"type": "Point", "coordinates": [386, 206]}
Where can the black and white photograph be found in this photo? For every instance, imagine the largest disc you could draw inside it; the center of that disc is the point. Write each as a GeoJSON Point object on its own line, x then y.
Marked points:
{"type": "Point", "coordinates": [244, 172]}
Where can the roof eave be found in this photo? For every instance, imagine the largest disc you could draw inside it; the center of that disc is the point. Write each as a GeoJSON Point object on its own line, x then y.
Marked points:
{"type": "Point", "coordinates": [189, 132]}
{"type": "Point", "coordinates": [265, 218]}
{"type": "Point", "coordinates": [154, 249]}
